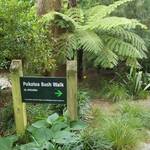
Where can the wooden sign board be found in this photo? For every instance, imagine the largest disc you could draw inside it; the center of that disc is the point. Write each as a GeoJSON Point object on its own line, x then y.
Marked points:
{"type": "Point", "coordinates": [44, 89]}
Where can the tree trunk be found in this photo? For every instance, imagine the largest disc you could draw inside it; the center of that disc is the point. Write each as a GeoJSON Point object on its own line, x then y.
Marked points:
{"type": "Point", "coordinates": [80, 64]}
{"type": "Point", "coordinates": [44, 6]}
{"type": "Point", "coordinates": [72, 3]}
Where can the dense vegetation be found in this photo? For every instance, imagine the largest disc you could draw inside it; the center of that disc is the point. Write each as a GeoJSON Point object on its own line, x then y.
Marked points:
{"type": "Point", "coordinates": [110, 41]}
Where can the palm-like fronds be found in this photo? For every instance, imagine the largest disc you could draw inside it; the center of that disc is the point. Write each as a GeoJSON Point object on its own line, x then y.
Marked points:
{"type": "Point", "coordinates": [90, 42]}
{"type": "Point", "coordinates": [106, 38]}
{"type": "Point", "coordinates": [101, 11]}
{"type": "Point", "coordinates": [113, 22]}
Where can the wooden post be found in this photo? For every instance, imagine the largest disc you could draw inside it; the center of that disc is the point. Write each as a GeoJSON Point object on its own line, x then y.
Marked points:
{"type": "Point", "coordinates": [19, 107]}
{"type": "Point", "coordinates": [72, 106]}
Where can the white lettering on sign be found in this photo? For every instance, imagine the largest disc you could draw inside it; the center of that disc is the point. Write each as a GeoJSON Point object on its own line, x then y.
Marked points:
{"type": "Point", "coordinates": [30, 90]}
{"type": "Point", "coordinates": [48, 84]}
{"type": "Point", "coordinates": [43, 84]}
{"type": "Point", "coordinates": [30, 84]}
{"type": "Point", "coordinates": [55, 84]}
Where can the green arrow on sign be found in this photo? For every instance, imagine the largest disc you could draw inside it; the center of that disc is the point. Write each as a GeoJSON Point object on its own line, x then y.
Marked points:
{"type": "Point", "coordinates": [58, 93]}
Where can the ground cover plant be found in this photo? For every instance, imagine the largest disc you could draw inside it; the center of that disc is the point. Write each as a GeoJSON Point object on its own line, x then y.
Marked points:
{"type": "Point", "coordinates": [123, 129]}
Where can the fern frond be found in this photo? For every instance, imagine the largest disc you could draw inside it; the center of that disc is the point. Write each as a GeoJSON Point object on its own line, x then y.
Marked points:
{"type": "Point", "coordinates": [129, 37]}
{"type": "Point", "coordinates": [90, 42]}
{"type": "Point", "coordinates": [102, 11]}
{"type": "Point", "coordinates": [51, 16]}
{"type": "Point", "coordinates": [113, 22]}
{"type": "Point", "coordinates": [116, 4]}
{"type": "Point", "coordinates": [106, 58]}
{"type": "Point", "coordinates": [66, 45]}
{"type": "Point", "coordinates": [123, 48]}
{"type": "Point", "coordinates": [76, 14]}
{"type": "Point", "coordinates": [47, 18]}
{"type": "Point", "coordinates": [132, 62]}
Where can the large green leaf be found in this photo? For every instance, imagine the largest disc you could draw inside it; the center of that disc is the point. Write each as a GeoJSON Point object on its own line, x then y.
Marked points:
{"type": "Point", "coordinates": [64, 137]}
{"type": "Point", "coordinates": [40, 124]}
{"type": "Point", "coordinates": [52, 118]}
{"type": "Point", "coordinates": [41, 135]}
{"type": "Point", "coordinates": [34, 146]}
{"type": "Point", "coordinates": [6, 143]}
{"type": "Point", "coordinates": [78, 125]}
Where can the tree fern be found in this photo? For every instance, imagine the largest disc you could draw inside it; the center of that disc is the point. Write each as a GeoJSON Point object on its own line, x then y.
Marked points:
{"type": "Point", "coordinates": [106, 38]}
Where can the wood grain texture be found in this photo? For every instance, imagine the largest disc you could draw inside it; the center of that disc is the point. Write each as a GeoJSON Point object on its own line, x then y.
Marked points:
{"type": "Point", "coordinates": [19, 107]}
{"type": "Point", "coordinates": [72, 105]}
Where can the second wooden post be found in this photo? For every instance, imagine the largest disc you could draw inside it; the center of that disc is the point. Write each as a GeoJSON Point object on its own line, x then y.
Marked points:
{"type": "Point", "coordinates": [72, 104]}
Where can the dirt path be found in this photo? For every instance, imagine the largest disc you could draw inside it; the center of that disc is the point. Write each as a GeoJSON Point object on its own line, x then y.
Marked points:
{"type": "Point", "coordinates": [109, 106]}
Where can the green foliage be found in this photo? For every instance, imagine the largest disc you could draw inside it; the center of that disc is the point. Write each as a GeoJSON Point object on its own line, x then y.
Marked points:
{"type": "Point", "coordinates": [93, 139]}
{"type": "Point", "coordinates": [137, 112]}
{"type": "Point", "coordinates": [7, 142]}
{"type": "Point", "coordinates": [83, 104]}
{"type": "Point", "coordinates": [22, 36]}
{"type": "Point", "coordinates": [38, 111]}
{"type": "Point", "coordinates": [136, 84]}
{"type": "Point", "coordinates": [116, 92]}
{"type": "Point", "coordinates": [122, 130]}
{"type": "Point", "coordinates": [120, 133]}
{"type": "Point", "coordinates": [53, 133]}
{"type": "Point", "coordinates": [105, 39]}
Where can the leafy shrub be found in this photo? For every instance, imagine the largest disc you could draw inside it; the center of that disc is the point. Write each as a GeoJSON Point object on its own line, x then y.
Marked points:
{"type": "Point", "coordinates": [22, 36]}
{"type": "Point", "coordinates": [136, 83]}
{"type": "Point", "coordinates": [52, 133]}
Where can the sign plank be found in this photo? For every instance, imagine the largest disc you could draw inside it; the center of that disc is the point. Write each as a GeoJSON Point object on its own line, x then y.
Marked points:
{"type": "Point", "coordinates": [44, 89]}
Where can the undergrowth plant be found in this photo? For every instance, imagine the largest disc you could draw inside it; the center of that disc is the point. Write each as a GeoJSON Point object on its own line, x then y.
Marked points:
{"type": "Point", "coordinates": [138, 112]}
{"type": "Point", "coordinates": [136, 83]}
{"type": "Point", "coordinates": [83, 104]}
{"type": "Point", "coordinates": [116, 92]}
{"type": "Point", "coordinates": [54, 133]}
{"type": "Point", "coordinates": [121, 134]}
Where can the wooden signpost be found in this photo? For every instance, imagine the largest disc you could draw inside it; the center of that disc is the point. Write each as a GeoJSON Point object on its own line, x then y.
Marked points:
{"type": "Point", "coordinates": [52, 90]}
{"type": "Point", "coordinates": [19, 106]}
{"type": "Point", "coordinates": [72, 90]}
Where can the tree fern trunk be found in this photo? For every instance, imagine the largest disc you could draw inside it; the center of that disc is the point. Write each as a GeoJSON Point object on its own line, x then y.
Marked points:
{"type": "Point", "coordinates": [73, 3]}
{"type": "Point", "coordinates": [80, 64]}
